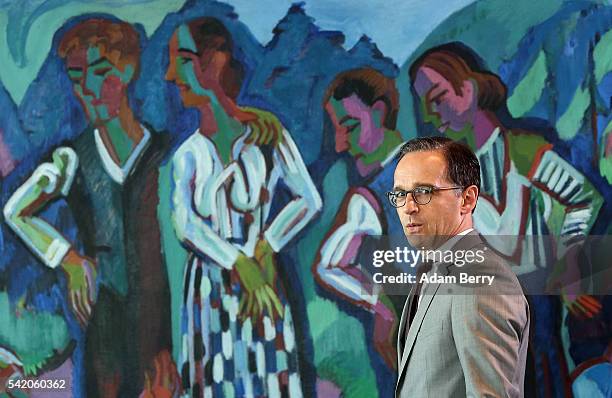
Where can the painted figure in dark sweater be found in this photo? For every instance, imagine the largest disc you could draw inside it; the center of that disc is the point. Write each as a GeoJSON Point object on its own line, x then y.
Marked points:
{"type": "Point", "coordinates": [108, 175]}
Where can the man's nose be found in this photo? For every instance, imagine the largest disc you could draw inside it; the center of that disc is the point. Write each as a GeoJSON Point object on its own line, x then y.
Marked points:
{"type": "Point", "coordinates": [410, 206]}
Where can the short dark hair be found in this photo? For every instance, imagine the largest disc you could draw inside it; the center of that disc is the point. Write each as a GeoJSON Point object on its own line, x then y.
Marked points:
{"type": "Point", "coordinates": [463, 168]}
{"type": "Point", "coordinates": [370, 86]}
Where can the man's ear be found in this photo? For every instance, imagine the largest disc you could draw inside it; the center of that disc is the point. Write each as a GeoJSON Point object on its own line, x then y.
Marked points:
{"type": "Point", "coordinates": [379, 109]}
{"type": "Point", "coordinates": [468, 199]}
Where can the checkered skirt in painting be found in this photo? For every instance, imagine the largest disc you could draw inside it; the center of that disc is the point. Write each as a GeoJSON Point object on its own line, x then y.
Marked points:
{"type": "Point", "coordinates": [224, 356]}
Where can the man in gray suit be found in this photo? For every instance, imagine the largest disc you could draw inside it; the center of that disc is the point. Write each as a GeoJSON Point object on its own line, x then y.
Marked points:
{"type": "Point", "coordinates": [456, 337]}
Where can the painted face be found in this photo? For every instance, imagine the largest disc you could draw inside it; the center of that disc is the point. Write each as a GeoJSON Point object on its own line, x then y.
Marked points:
{"type": "Point", "coordinates": [427, 225]}
{"type": "Point", "coordinates": [440, 104]}
{"type": "Point", "coordinates": [193, 74]}
{"type": "Point", "coordinates": [358, 127]}
{"type": "Point", "coordinates": [99, 84]}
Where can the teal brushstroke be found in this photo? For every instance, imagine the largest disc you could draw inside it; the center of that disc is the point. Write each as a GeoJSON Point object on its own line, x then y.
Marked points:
{"type": "Point", "coordinates": [571, 120]}
{"type": "Point", "coordinates": [529, 90]}
{"type": "Point", "coordinates": [602, 56]}
{"type": "Point", "coordinates": [340, 355]}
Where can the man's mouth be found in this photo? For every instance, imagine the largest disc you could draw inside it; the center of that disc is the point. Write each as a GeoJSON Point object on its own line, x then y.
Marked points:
{"type": "Point", "coordinates": [414, 228]}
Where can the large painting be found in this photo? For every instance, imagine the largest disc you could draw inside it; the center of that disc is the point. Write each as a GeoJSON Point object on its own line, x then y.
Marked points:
{"type": "Point", "coordinates": [186, 186]}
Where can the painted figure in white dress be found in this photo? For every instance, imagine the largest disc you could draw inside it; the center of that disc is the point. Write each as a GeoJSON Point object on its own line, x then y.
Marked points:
{"type": "Point", "coordinates": [237, 330]}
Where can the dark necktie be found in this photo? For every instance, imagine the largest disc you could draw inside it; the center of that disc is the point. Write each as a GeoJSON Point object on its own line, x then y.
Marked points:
{"type": "Point", "coordinates": [423, 268]}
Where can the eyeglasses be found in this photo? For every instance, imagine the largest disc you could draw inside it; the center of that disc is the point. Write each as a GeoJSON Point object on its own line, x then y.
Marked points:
{"type": "Point", "coordinates": [421, 195]}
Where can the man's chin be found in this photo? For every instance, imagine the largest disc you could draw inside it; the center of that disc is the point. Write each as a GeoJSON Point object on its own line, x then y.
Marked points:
{"type": "Point", "coordinates": [420, 240]}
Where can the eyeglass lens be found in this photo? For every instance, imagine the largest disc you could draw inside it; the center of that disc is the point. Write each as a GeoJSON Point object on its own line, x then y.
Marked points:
{"type": "Point", "coordinates": [420, 195]}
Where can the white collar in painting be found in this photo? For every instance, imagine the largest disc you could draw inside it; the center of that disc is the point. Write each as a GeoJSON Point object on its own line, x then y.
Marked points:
{"type": "Point", "coordinates": [488, 145]}
{"type": "Point", "coordinates": [119, 174]}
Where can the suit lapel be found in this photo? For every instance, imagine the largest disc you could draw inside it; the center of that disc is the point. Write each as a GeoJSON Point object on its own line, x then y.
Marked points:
{"type": "Point", "coordinates": [427, 296]}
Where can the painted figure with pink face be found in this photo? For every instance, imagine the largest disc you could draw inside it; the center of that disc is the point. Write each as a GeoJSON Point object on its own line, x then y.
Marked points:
{"type": "Point", "coordinates": [519, 191]}
{"type": "Point", "coordinates": [362, 106]}
{"type": "Point", "coordinates": [521, 196]}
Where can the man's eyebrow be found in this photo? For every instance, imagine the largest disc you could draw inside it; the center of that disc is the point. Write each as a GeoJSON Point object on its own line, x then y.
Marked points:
{"type": "Point", "coordinates": [99, 61]}
{"type": "Point", "coordinates": [75, 69]}
{"type": "Point", "coordinates": [416, 184]}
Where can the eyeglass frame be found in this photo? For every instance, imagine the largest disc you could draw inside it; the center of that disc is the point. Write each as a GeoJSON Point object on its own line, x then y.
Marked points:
{"type": "Point", "coordinates": [433, 189]}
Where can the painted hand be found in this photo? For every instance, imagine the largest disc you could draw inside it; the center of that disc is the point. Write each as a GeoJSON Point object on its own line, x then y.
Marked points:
{"type": "Point", "coordinates": [81, 275]}
{"type": "Point", "coordinates": [164, 381]}
{"type": "Point", "coordinates": [385, 324]}
{"type": "Point", "coordinates": [258, 296]}
{"type": "Point", "coordinates": [582, 306]}
{"type": "Point", "coordinates": [264, 255]}
{"type": "Point", "coordinates": [266, 129]}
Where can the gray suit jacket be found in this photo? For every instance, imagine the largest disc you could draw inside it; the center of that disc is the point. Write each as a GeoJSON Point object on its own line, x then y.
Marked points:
{"type": "Point", "coordinates": [465, 339]}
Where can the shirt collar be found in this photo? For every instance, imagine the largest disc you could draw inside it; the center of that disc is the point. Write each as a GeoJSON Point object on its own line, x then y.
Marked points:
{"type": "Point", "coordinates": [454, 239]}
